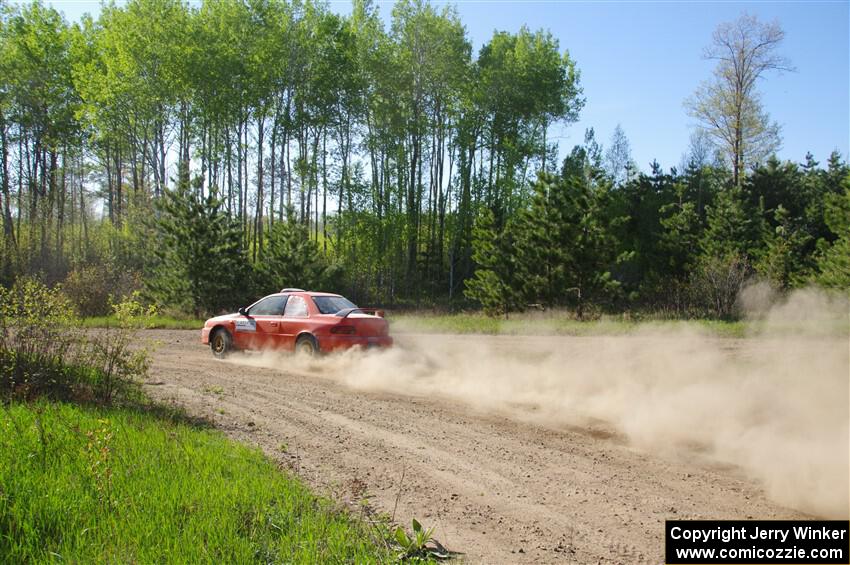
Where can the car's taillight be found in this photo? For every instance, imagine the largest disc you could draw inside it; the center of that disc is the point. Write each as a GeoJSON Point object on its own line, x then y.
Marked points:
{"type": "Point", "coordinates": [343, 330]}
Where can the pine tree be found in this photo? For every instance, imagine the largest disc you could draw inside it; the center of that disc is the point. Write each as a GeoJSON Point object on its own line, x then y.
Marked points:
{"type": "Point", "coordinates": [782, 261]}
{"type": "Point", "coordinates": [727, 245]}
{"type": "Point", "coordinates": [834, 260]}
{"type": "Point", "coordinates": [200, 263]}
{"type": "Point", "coordinates": [565, 244]}
{"type": "Point", "coordinates": [292, 259]}
{"type": "Point", "coordinates": [642, 200]}
{"type": "Point", "coordinates": [730, 226]}
{"type": "Point", "coordinates": [541, 253]}
{"type": "Point", "coordinates": [680, 230]}
{"type": "Point", "coordinates": [494, 284]}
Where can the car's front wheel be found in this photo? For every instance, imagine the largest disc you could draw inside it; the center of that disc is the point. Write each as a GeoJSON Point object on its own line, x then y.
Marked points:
{"type": "Point", "coordinates": [221, 343]}
{"type": "Point", "coordinates": [306, 345]}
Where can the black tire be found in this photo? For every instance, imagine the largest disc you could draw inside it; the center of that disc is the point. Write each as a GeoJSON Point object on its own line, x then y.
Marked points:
{"type": "Point", "coordinates": [221, 343]}
{"type": "Point", "coordinates": [306, 345]}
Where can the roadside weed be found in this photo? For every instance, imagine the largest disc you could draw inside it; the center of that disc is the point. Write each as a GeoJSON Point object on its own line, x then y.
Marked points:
{"type": "Point", "coordinates": [415, 548]}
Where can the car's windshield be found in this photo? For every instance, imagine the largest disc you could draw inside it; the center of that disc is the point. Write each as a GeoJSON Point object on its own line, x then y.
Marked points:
{"type": "Point", "coordinates": [332, 304]}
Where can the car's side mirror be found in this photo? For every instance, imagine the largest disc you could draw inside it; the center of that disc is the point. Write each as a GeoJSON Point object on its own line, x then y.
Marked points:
{"type": "Point", "coordinates": [243, 311]}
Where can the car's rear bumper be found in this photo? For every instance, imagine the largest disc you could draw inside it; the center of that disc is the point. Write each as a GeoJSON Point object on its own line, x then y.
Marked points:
{"type": "Point", "coordinates": [340, 342]}
{"type": "Point", "coordinates": [205, 336]}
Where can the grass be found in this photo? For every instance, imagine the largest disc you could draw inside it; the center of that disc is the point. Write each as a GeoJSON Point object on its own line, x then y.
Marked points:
{"type": "Point", "coordinates": [88, 484]}
{"type": "Point", "coordinates": [549, 324]}
{"type": "Point", "coordinates": [153, 322]}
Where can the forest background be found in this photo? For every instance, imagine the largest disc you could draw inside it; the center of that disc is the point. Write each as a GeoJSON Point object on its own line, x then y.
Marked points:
{"type": "Point", "coordinates": [208, 154]}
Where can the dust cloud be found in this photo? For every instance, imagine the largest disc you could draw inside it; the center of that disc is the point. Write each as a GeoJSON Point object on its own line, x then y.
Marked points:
{"type": "Point", "coordinates": [774, 404]}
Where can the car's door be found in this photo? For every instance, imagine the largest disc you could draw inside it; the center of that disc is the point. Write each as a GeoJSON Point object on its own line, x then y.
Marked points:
{"type": "Point", "coordinates": [257, 330]}
{"type": "Point", "coordinates": [295, 315]}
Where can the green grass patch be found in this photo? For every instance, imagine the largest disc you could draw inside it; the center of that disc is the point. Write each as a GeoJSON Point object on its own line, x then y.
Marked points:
{"type": "Point", "coordinates": [86, 484]}
{"type": "Point", "coordinates": [155, 322]}
{"type": "Point", "coordinates": [550, 324]}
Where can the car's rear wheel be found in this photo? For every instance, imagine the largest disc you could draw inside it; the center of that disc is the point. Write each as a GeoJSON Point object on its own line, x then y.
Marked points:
{"type": "Point", "coordinates": [306, 345]}
{"type": "Point", "coordinates": [221, 343]}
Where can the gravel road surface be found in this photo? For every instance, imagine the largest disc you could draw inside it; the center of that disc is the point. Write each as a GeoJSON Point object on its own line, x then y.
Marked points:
{"type": "Point", "coordinates": [498, 488]}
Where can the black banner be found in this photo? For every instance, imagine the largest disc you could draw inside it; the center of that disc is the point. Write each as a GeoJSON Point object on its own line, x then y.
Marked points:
{"type": "Point", "coordinates": [814, 542]}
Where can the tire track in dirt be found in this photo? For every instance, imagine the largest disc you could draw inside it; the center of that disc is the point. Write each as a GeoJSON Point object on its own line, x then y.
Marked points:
{"type": "Point", "coordinates": [498, 490]}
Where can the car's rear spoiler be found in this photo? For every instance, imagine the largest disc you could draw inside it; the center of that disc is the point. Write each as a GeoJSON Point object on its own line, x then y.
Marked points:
{"type": "Point", "coordinates": [348, 311]}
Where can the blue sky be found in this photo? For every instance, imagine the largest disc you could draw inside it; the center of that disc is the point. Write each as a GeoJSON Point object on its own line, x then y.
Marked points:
{"type": "Point", "coordinates": [640, 60]}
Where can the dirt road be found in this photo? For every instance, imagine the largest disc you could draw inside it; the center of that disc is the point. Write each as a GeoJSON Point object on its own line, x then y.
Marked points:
{"type": "Point", "coordinates": [500, 482]}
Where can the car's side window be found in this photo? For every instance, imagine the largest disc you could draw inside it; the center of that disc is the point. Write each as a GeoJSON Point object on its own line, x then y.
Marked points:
{"type": "Point", "coordinates": [296, 307]}
{"type": "Point", "coordinates": [270, 306]}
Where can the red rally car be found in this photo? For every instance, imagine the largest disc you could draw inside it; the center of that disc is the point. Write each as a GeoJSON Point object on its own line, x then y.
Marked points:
{"type": "Point", "coordinates": [297, 320]}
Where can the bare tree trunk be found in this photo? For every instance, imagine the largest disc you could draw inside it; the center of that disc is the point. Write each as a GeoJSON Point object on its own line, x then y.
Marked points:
{"type": "Point", "coordinates": [314, 182]}
{"type": "Point", "coordinates": [228, 157]}
{"type": "Point", "coordinates": [119, 183]}
{"type": "Point", "coordinates": [239, 158]}
{"type": "Point", "coordinates": [244, 215]}
{"type": "Point", "coordinates": [258, 243]}
{"type": "Point", "coordinates": [110, 195]}
{"type": "Point", "coordinates": [273, 164]}
{"type": "Point", "coordinates": [325, 190]}
{"type": "Point", "coordinates": [60, 216]}
{"type": "Point", "coordinates": [85, 228]}
{"type": "Point", "coordinates": [286, 164]}
{"type": "Point", "coordinates": [162, 180]}
{"type": "Point", "coordinates": [8, 227]}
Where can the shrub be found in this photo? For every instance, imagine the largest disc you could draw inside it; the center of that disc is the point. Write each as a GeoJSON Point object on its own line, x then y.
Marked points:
{"type": "Point", "coordinates": [93, 289]}
{"type": "Point", "coordinates": [114, 354]}
{"type": "Point", "coordinates": [36, 340]}
{"type": "Point", "coordinates": [719, 281]}
{"type": "Point", "coordinates": [43, 351]}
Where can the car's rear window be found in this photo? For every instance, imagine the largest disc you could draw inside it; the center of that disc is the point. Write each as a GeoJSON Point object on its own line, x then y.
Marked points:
{"type": "Point", "coordinates": [332, 304]}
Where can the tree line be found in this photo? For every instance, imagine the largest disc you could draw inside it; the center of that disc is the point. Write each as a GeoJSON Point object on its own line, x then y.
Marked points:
{"type": "Point", "coordinates": [685, 243]}
{"type": "Point", "coordinates": [211, 153]}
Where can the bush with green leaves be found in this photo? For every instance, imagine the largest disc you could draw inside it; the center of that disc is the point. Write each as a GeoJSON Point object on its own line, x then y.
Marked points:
{"type": "Point", "coordinates": [44, 352]}
{"type": "Point", "coordinates": [36, 340]}
{"type": "Point", "coordinates": [718, 283]}
{"type": "Point", "coordinates": [94, 288]}
{"type": "Point", "coordinates": [117, 357]}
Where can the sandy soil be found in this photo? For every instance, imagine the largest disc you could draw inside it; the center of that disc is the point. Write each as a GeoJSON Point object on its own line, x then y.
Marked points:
{"type": "Point", "coordinates": [498, 489]}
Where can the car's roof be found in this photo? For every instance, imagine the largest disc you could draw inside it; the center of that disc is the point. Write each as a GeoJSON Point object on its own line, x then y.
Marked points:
{"type": "Point", "coordinates": [309, 293]}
